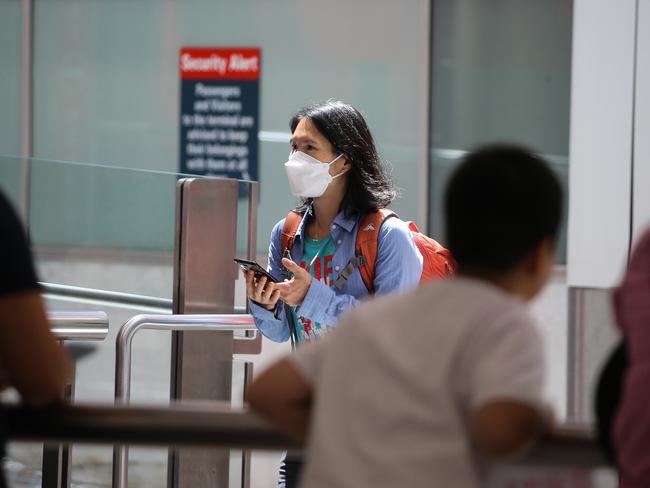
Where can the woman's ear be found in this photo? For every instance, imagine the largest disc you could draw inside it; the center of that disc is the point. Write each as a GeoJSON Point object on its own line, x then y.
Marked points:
{"type": "Point", "coordinates": [347, 165]}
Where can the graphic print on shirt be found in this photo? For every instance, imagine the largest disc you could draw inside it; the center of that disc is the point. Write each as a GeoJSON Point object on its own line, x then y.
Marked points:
{"type": "Point", "coordinates": [317, 260]}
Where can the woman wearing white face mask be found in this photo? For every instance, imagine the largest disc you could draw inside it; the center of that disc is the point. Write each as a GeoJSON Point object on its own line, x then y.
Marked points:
{"type": "Point", "coordinates": [336, 171]}
{"type": "Point", "coordinates": [334, 168]}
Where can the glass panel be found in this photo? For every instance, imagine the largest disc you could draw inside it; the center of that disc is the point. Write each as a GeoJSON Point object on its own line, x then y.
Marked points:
{"type": "Point", "coordinates": [12, 172]}
{"type": "Point", "coordinates": [103, 99]}
{"type": "Point", "coordinates": [104, 227]}
{"type": "Point", "coordinates": [501, 72]}
{"type": "Point", "coordinates": [97, 226]}
{"type": "Point", "coordinates": [11, 83]}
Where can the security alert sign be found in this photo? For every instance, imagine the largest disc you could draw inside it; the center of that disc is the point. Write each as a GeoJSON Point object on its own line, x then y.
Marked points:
{"type": "Point", "coordinates": [219, 111]}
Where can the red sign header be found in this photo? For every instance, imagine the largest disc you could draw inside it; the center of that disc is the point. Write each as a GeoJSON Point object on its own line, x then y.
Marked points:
{"type": "Point", "coordinates": [213, 63]}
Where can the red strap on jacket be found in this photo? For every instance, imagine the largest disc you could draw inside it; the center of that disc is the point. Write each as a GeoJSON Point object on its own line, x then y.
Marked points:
{"type": "Point", "coordinates": [368, 243]}
{"type": "Point", "coordinates": [291, 224]}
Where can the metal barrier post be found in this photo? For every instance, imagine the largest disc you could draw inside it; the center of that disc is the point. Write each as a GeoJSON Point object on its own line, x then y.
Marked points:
{"type": "Point", "coordinates": [123, 352]}
{"type": "Point", "coordinates": [79, 326]}
{"type": "Point", "coordinates": [56, 457]}
{"type": "Point", "coordinates": [246, 453]}
{"type": "Point", "coordinates": [204, 282]}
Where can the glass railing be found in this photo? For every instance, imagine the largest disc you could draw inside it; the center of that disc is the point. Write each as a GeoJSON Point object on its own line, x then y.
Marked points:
{"type": "Point", "coordinates": [101, 227]}
{"type": "Point", "coordinates": [95, 226]}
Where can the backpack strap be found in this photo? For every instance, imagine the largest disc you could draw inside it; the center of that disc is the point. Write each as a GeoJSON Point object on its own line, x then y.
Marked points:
{"type": "Point", "coordinates": [353, 264]}
{"type": "Point", "coordinates": [367, 245]}
{"type": "Point", "coordinates": [291, 224]}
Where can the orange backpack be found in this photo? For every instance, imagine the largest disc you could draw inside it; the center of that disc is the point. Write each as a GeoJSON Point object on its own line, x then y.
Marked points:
{"type": "Point", "coordinates": [437, 261]}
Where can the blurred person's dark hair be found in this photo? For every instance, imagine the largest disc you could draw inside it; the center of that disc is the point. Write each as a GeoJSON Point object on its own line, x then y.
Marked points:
{"type": "Point", "coordinates": [500, 203]}
{"type": "Point", "coordinates": [369, 186]}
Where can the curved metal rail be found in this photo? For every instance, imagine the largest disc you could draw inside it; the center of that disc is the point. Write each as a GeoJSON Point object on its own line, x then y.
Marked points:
{"type": "Point", "coordinates": [123, 352]}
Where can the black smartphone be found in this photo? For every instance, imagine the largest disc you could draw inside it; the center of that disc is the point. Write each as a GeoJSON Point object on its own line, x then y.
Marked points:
{"type": "Point", "coordinates": [247, 265]}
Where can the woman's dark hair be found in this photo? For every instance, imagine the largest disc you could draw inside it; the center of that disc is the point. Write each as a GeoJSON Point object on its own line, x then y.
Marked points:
{"type": "Point", "coordinates": [369, 187]}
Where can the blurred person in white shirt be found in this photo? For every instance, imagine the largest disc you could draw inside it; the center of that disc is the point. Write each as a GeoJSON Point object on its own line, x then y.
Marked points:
{"type": "Point", "coordinates": [431, 387]}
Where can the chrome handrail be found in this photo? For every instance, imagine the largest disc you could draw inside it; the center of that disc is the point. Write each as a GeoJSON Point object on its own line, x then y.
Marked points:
{"type": "Point", "coordinates": [106, 296]}
{"type": "Point", "coordinates": [78, 325]}
{"type": "Point", "coordinates": [123, 351]}
{"type": "Point", "coordinates": [113, 297]}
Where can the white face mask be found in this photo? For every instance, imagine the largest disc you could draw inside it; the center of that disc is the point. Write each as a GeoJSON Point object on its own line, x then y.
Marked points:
{"type": "Point", "coordinates": [308, 177]}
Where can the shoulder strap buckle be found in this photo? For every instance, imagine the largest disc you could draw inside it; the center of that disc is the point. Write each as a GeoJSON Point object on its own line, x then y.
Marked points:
{"type": "Point", "coordinates": [367, 244]}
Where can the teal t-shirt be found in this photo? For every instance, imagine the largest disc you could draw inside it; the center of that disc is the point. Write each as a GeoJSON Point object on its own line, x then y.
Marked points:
{"type": "Point", "coordinates": [317, 260]}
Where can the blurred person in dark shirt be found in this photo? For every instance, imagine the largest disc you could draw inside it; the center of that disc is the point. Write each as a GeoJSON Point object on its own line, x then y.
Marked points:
{"type": "Point", "coordinates": [31, 360]}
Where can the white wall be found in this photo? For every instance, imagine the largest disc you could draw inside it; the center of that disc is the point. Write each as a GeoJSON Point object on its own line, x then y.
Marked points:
{"type": "Point", "coordinates": [601, 141]}
{"type": "Point", "coordinates": [641, 199]}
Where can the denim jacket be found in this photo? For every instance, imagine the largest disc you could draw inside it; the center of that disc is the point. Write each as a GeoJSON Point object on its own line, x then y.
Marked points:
{"type": "Point", "coordinates": [398, 267]}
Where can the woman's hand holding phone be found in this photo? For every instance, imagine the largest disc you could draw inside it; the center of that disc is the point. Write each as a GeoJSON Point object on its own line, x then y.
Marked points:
{"type": "Point", "coordinates": [293, 291]}
{"type": "Point", "coordinates": [261, 290]}
{"type": "Point", "coordinates": [266, 293]}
